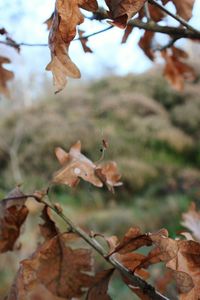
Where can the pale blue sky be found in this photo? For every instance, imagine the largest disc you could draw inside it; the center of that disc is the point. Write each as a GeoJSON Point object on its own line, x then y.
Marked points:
{"type": "Point", "coordinates": [24, 21]}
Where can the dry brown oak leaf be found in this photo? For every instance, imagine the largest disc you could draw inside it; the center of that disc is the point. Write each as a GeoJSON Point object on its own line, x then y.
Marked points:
{"type": "Point", "coordinates": [5, 76]}
{"type": "Point", "coordinates": [67, 16]}
{"type": "Point", "coordinates": [145, 44]}
{"type": "Point", "coordinates": [75, 165]}
{"type": "Point", "coordinates": [176, 71]}
{"type": "Point", "coordinates": [120, 11]}
{"type": "Point", "coordinates": [13, 213]}
{"type": "Point", "coordinates": [183, 257]}
{"type": "Point", "coordinates": [109, 174]}
{"type": "Point", "coordinates": [56, 269]}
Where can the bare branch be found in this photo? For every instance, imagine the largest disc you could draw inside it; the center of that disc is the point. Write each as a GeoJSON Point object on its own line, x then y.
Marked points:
{"type": "Point", "coordinates": [176, 31]}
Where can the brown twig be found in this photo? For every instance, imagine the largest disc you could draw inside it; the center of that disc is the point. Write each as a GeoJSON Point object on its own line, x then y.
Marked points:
{"type": "Point", "coordinates": [178, 32]}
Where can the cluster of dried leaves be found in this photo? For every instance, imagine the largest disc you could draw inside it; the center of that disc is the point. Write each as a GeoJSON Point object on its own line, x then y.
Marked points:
{"type": "Point", "coordinates": [75, 165]}
{"type": "Point", "coordinates": [125, 14]}
{"type": "Point", "coordinates": [68, 16]}
{"type": "Point", "coordinates": [60, 269]}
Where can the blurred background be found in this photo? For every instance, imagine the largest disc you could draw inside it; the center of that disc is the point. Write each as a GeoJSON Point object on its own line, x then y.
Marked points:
{"type": "Point", "coordinates": [152, 130]}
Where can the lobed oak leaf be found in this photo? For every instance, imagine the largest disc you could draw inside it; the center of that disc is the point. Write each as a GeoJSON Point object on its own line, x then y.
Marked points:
{"type": "Point", "coordinates": [109, 175]}
{"type": "Point", "coordinates": [55, 267]}
{"type": "Point", "coordinates": [99, 288]}
{"type": "Point", "coordinates": [13, 213]}
{"type": "Point", "coordinates": [176, 71]}
{"type": "Point", "coordinates": [84, 41]}
{"type": "Point", "coordinates": [5, 76]}
{"type": "Point", "coordinates": [183, 257]}
{"type": "Point", "coordinates": [122, 10]}
{"type": "Point", "coordinates": [66, 17]}
{"type": "Point", "coordinates": [145, 44]}
{"type": "Point", "coordinates": [191, 220]}
{"type": "Point", "coordinates": [75, 165]}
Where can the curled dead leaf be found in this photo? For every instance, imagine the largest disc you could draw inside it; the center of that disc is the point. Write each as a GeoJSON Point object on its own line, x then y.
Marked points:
{"type": "Point", "coordinates": [57, 269]}
{"type": "Point", "coordinates": [13, 213]}
{"type": "Point", "coordinates": [183, 257]}
{"type": "Point", "coordinates": [108, 174]}
{"type": "Point", "coordinates": [121, 11]}
{"type": "Point", "coordinates": [66, 17]}
{"type": "Point", "coordinates": [75, 165]}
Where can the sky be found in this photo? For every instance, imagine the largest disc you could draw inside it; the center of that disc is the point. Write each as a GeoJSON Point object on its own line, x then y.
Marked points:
{"type": "Point", "coordinates": [24, 21]}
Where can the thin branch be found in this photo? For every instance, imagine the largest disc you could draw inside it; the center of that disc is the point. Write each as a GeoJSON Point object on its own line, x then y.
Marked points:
{"type": "Point", "coordinates": [94, 33]}
{"type": "Point", "coordinates": [176, 17]}
{"type": "Point", "coordinates": [45, 45]}
{"type": "Point", "coordinates": [24, 44]}
{"type": "Point", "coordinates": [176, 31]}
{"type": "Point", "coordinates": [135, 280]}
